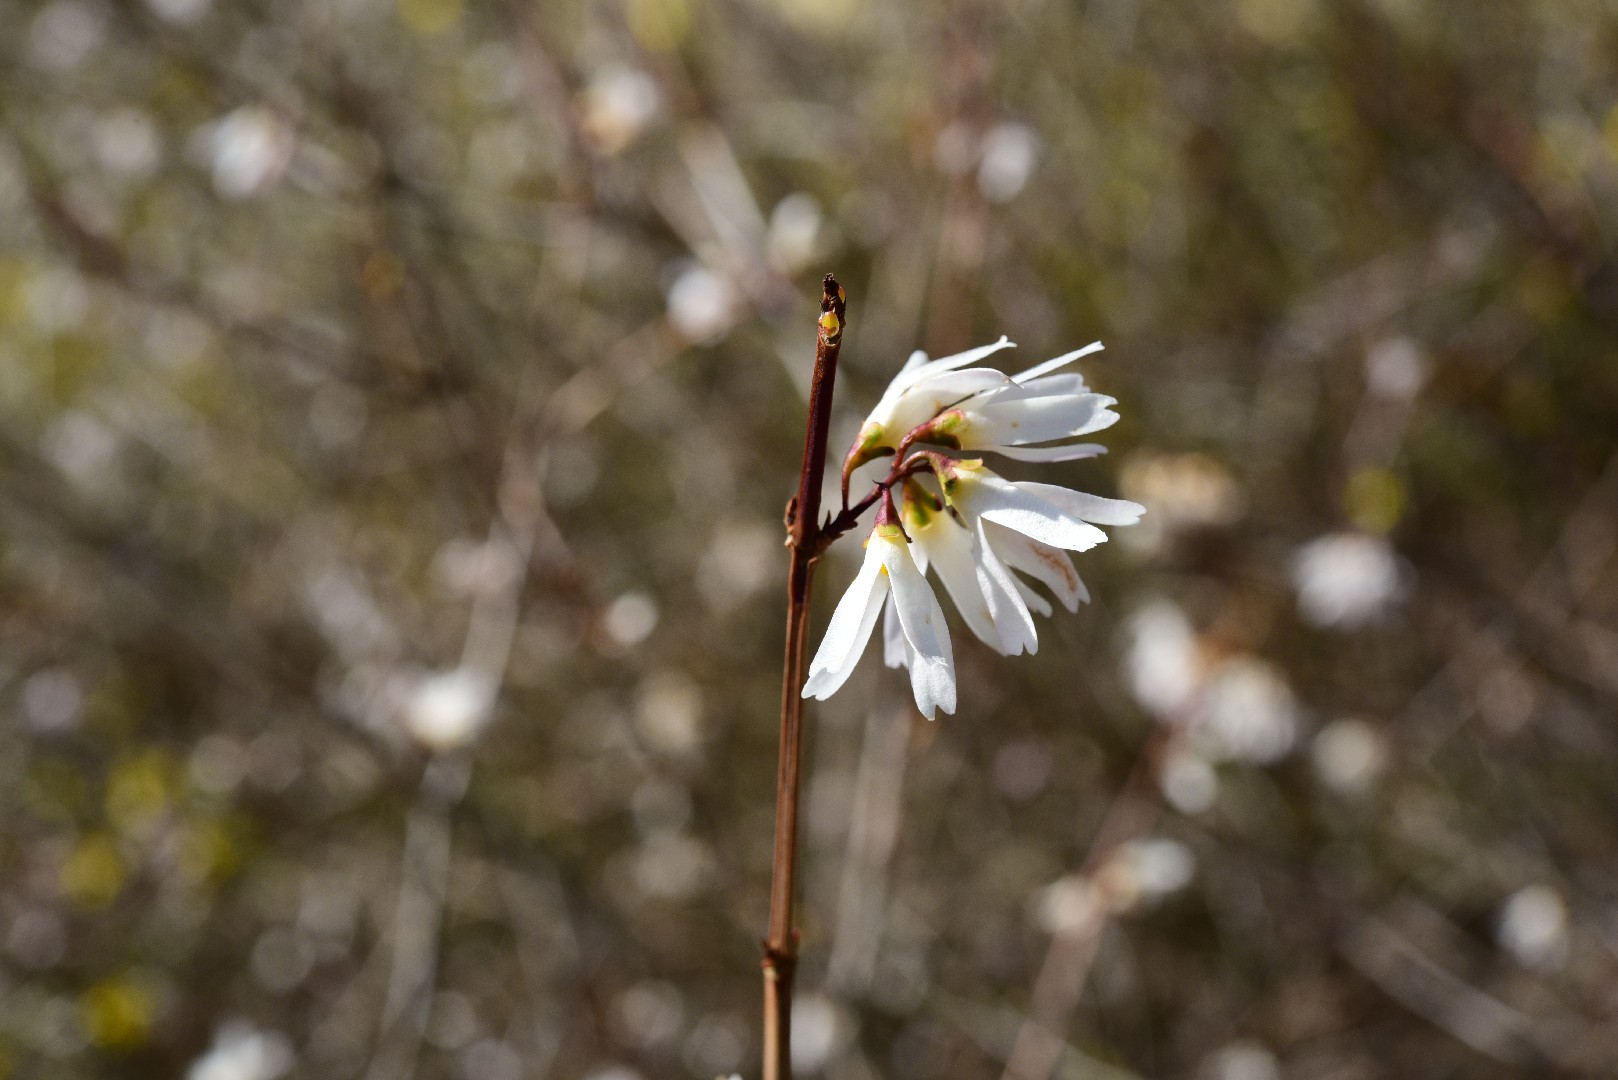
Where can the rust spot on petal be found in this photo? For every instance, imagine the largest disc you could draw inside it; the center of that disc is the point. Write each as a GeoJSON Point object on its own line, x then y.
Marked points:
{"type": "Point", "coordinates": [1058, 561]}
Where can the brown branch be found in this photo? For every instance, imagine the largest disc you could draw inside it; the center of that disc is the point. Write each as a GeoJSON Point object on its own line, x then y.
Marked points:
{"type": "Point", "coordinates": [803, 536]}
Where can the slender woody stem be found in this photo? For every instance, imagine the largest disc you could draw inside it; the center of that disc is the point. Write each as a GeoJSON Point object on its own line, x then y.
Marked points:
{"type": "Point", "coordinates": [804, 537]}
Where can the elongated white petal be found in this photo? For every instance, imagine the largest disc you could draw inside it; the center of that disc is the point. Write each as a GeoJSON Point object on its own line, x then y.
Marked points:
{"type": "Point", "coordinates": [988, 496]}
{"type": "Point", "coordinates": [893, 638]}
{"type": "Point", "coordinates": [1006, 606]}
{"type": "Point", "coordinates": [951, 386]}
{"type": "Point", "coordinates": [923, 399]}
{"type": "Point", "coordinates": [917, 359]}
{"type": "Point", "coordinates": [949, 549]}
{"type": "Point", "coordinates": [901, 410]}
{"type": "Point", "coordinates": [1070, 384]}
{"type": "Point", "coordinates": [1069, 452]}
{"type": "Point", "coordinates": [1008, 420]}
{"type": "Point", "coordinates": [911, 375]}
{"type": "Point", "coordinates": [850, 627]}
{"type": "Point", "coordinates": [1036, 603]}
{"type": "Point", "coordinates": [932, 665]}
{"type": "Point", "coordinates": [1059, 362]}
{"type": "Point", "coordinates": [1050, 566]}
{"type": "Point", "coordinates": [1087, 507]}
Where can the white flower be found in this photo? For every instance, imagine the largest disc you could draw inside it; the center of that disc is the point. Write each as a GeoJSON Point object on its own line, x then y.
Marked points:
{"type": "Point", "coordinates": [888, 569]}
{"type": "Point", "coordinates": [1030, 527]}
{"type": "Point", "coordinates": [974, 543]}
{"type": "Point", "coordinates": [969, 408]}
{"type": "Point", "coordinates": [979, 531]}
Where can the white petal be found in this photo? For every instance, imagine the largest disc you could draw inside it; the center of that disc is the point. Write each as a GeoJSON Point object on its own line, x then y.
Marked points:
{"type": "Point", "coordinates": [1036, 603]}
{"type": "Point", "coordinates": [932, 665]}
{"type": "Point", "coordinates": [949, 549]}
{"type": "Point", "coordinates": [1068, 385]}
{"type": "Point", "coordinates": [1011, 419]}
{"type": "Point", "coordinates": [988, 496]}
{"type": "Point", "coordinates": [1069, 452]}
{"type": "Point", "coordinates": [850, 627]}
{"type": "Point", "coordinates": [917, 359]}
{"type": "Point", "coordinates": [902, 409]}
{"type": "Point", "coordinates": [926, 397]}
{"type": "Point", "coordinates": [893, 638]}
{"type": "Point", "coordinates": [911, 375]}
{"type": "Point", "coordinates": [1051, 566]}
{"type": "Point", "coordinates": [1060, 362]}
{"type": "Point", "coordinates": [1006, 606]}
{"type": "Point", "coordinates": [1087, 507]}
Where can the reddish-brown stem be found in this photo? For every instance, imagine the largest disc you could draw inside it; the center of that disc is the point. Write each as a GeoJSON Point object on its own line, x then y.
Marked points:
{"type": "Point", "coordinates": [850, 515]}
{"type": "Point", "coordinates": [804, 537]}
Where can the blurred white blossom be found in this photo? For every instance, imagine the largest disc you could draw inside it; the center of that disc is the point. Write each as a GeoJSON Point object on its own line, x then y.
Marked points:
{"type": "Point", "coordinates": [127, 143]}
{"type": "Point", "coordinates": [449, 709]}
{"type": "Point", "coordinates": [820, 1027]}
{"type": "Point", "coordinates": [669, 712]}
{"type": "Point", "coordinates": [630, 619]}
{"type": "Point", "coordinates": [1247, 713]}
{"type": "Point", "coordinates": [1533, 927]}
{"type": "Point", "coordinates": [52, 700]}
{"type": "Point", "coordinates": [64, 34]}
{"type": "Point", "coordinates": [618, 104]}
{"type": "Point", "coordinates": [1349, 755]}
{"type": "Point", "coordinates": [1161, 658]}
{"type": "Point", "coordinates": [243, 1052]}
{"type": "Point", "coordinates": [794, 231]}
{"type": "Point", "coordinates": [1396, 368]}
{"type": "Point", "coordinates": [1243, 1060]}
{"type": "Point", "coordinates": [1068, 904]}
{"type": "Point", "coordinates": [86, 450]}
{"type": "Point", "coordinates": [650, 1013]}
{"type": "Point", "coordinates": [1188, 781]}
{"type": "Point", "coordinates": [1346, 579]}
{"type": "Point", "coordinates": [672, 865]}
{"type": "Point", "coordinates": [247, 150]}
{"type": "Point", "coordinates": [1008, 155]}
{"type": "Point", "coordinates": [738, 561]}
{"type": "Point", "coordinates": [702, 304]}
{"type": "Point", "coordinates": [1142, 872]}
{"type": "Point", "coordinates": [492, 1059]}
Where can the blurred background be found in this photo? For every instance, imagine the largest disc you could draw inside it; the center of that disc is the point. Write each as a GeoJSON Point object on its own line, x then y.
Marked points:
{"type": "Point", "coordinates": [398, 400]}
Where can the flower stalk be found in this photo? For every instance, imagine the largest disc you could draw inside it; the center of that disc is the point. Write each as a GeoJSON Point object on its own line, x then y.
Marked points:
{"type": "Point", "coordinates": [806, 538]}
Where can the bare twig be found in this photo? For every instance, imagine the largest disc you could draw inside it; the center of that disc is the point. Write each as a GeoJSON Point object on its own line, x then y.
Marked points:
{"type": "Point", "coordinates": [803, 536]}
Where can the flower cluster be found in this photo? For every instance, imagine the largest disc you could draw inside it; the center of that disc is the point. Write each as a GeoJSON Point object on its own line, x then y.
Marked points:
{"type": "Point", "coordinates": [941, 509]}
